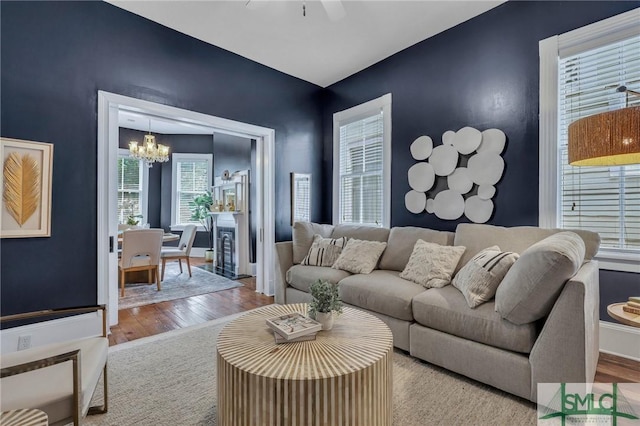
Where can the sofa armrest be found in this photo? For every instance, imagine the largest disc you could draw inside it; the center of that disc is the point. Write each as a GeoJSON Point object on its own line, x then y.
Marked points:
{"type": "Point", "coordinates": [567, 348]}
{"type": "Point", "coordinates": [284, 261]}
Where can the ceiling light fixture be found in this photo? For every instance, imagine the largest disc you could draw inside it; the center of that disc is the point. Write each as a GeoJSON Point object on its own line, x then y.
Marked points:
{"type": "Point", "coordinates": [610, 138]}
{"type": "Point", "coordinates": [149, 152]}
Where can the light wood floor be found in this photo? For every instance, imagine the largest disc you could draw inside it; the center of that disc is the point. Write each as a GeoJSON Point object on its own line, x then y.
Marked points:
{"type": "Point", "coordinates": [154, 319]}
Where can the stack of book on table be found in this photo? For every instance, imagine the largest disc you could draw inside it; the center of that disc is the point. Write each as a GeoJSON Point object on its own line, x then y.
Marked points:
{"type": "Point", "coordinates": [293, 327]}
{"type": "Point", "coordinates": [632, 306]}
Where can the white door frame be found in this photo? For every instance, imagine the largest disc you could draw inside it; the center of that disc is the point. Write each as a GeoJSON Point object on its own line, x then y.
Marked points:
{"type": "Point", "coordinates": [108, 106]}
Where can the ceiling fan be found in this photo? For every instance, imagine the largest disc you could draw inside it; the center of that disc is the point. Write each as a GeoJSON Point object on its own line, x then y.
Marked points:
{"type": "Point", "coordinates": [334, 8]}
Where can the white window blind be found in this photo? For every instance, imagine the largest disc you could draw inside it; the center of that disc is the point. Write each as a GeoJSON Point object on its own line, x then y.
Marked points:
{"type": "Point", "coordinates": [362, 164]}
{"type": "Point", "coordinates": [601, 199]}
{"type": "Point", "coordinates": [131, 189]}
{"type": "Point", "coordinates": [191, 177]}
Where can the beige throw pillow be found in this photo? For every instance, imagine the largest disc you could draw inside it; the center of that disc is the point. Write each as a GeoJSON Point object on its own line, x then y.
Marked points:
{"type": "Point", "coordinates": [324, 251]}
{"type": "Point", "coordinates": [431, 265]}
{"type": "Point", "coordinates": [479, 279]}
{"type": "Point", "coordinates": [360, 256]}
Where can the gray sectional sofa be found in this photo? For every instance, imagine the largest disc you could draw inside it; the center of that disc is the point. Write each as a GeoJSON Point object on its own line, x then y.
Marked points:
{"type": "Point", "coordinates": [437, 325]}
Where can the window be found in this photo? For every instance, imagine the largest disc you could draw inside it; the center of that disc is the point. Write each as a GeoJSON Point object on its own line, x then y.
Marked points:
{"type": "Point", "coordinates": [362, 159]}
{"type": "Point", "coordinates": [191, 175]}
{"type": "Point", "coordinates": [133, 178]}
{"type": "Point", "coordinates": [588, 65]}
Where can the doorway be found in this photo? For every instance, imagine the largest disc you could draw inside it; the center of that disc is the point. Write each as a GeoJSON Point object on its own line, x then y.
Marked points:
{"type": "Point", "coordinates": [109, 106]}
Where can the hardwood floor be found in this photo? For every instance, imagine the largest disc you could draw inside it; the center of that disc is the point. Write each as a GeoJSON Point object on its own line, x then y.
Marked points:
{"type": "Point", "coordinates": [154, 319]}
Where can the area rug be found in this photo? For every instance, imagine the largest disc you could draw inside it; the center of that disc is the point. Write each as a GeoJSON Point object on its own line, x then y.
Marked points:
{"type": "Point", "coordinates": [175, 285]}
{"type": "Point", "coordinates": [170, 379]}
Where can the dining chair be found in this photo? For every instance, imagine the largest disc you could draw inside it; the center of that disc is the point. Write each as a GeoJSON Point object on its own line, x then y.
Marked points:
{"type": "Point", "coordinates": [140, 252]}
{"type": "Point", "coordinates": [182, 251]}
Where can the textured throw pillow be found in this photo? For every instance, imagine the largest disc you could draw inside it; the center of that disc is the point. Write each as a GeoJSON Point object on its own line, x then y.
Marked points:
{"type": "Point", "coordinates": [479, 279]}
{"type": "Point", "coordinates": [324, 251]}
{"type": "Point", "coordinates": [431, 265]}
{"type": "Point", "coordinates": [360, 256]}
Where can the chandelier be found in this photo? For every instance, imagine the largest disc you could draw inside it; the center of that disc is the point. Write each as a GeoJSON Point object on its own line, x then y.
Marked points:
{"type": "Point", "coordinates": [149, 151]}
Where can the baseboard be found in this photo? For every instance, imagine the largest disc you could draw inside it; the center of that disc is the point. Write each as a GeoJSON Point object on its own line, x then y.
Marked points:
{"type": "Point", "coordinates": [53, 331]}
{"type": "Point", "coordinates": [620, 340]}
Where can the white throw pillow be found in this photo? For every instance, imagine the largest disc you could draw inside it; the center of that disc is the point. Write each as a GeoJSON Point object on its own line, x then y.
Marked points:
{"type": "Point", "coordinates": [324, 251]}
{"type": "Point", "coordinates": [360, 256]}
{"type": "Point", "coordinates": [479, 279]}
{"type": "Point", "coordinates": [431, 265]}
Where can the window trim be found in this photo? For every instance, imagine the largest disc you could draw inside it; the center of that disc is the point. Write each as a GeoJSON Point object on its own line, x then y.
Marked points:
{"type": "Point", "coordinates": [358, 112]}
{"type": "Point", "coordinates": [144, 196]}
{"type": "Point", "coordinates": [585, 38]}
{"type": "Point", "coordinates": [175, 158]}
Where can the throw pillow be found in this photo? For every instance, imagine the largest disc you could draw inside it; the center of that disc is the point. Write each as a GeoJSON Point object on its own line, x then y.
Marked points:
{"type": "Point", "coordinates": [324, 251]}
{"type": "Point", "coordinates": [531, 287]}
{"type": "Point", "coordinates": [360, 256]}
{"type": "Point", "coordinates": [431, 265]}
{"type": "Point", "coordinates": [479, 279]}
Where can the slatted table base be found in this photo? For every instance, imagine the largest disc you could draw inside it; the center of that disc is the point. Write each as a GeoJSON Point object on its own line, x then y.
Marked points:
{"type": "Point", "coordinates": [299, 386]}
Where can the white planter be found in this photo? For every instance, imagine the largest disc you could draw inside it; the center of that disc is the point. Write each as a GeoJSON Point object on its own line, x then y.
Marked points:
{"type": "Point", "coordinates": [326, 319]}
{"type": "Point", "coordinates": [208, 255]}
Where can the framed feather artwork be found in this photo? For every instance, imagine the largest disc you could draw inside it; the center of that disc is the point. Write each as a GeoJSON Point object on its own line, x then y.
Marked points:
{"type": "Point", "coordinates": [26, 188]}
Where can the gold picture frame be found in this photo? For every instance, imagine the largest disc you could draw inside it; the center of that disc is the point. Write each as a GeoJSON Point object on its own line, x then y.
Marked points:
{"type": "Point", "coordinates": [25, 182]}
{"type": "Point", "coordinates": [300, 197]}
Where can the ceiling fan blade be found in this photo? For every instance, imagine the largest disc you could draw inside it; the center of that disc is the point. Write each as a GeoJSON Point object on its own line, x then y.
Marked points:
{"type": "Point", "coordinates": [334, 8]}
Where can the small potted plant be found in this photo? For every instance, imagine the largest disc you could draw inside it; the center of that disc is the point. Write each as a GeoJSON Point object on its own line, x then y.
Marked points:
{"type": "Point", "coordinates": [200, 208]}
{"type": "Point", "coordinates": [325, 302]}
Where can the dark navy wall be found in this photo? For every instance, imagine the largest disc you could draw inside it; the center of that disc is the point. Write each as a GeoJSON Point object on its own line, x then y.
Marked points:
{"type": "Point", "coordinates": [483, 73]}
{"type": "Point", "coordinates": [55, 57]}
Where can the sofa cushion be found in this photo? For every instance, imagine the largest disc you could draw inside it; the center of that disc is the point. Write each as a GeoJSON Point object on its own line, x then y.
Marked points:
{"type": "Point", "coordinates": [445, 309]}
{"type": "Point", "coordinates": [303, 234]}
{"type": "Point", "coordinates": [380, 291]}
{"type": "Point", "coordinates": [360, 256]}
{"type": "Point", "coordinates": [478, 280]}
{"type": "Point", "coordinates": [369, 233]}
{"type": "Point", "coordinates": [301, 276]}
{"type": "Point", "coordinates": [432, 265]}
{"type": "Point", "coordinates": [324, 251]}
{"type": "Point", "coordinates": [401, 241]}
{"type": "Point", "coordinates": [534, 282]}
{"type": "Point", "coordinates": [476, 237]}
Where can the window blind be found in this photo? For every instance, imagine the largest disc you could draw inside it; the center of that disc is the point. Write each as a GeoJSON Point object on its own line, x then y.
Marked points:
{"type": "Point", "coordinates": [193, 179]}
{"type": "Point", "coordinates": [605, 200]}
{"type": "Point", "coordinates": [361, 171]}
{"type": "Point", "coordinates": [129, 189]}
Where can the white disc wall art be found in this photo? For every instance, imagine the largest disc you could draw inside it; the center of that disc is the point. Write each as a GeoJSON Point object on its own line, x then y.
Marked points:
{"type": "Point", "coordinates": [467, 140]}
{"type": "Point", "coordinates": [448, 205]}
{"type": "Point", "coordinates": [415, 201]}
{"type": "Point", "coordinates": [485, 168]}
{"type": "Point", "coordinates": [448, 137]}
{"type": "Point", "coordinates": [430, 206]}
{"type": "Point", "coordinates": [478, 210]}
{"type": "Point", "coordinates": [444, 160]}
{"type": "Point", "coordinates": [421, 148]}
{"type": "Point", "coordinates": [493, 140]}
{"type": "Point", "coordinates": [460, 181]}
{"type": "Point", "coordinates": [421, 177]}
{"type": "Point", "coordinates": [486, 192]}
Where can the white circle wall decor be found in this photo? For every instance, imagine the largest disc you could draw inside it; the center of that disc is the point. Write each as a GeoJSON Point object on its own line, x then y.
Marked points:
{"type": "Point", "coordinates": [467, 140]}
{"type": "Point", "coordinates": [478, 210]}
{"type": "Point", "coordinates": [415, 201]}
{"type": "Point", "coordinates": [421, 148]}
{"type": "Point", "coordinates": [430, 206]}
{"type": "Point", "coordinates": [448, 205]}
{"type": "Point", "coordinates": [493, 140]}
{"type": "Point", "coordinates": [448, 137]}
{"type": "Point", "coordinates": [444, 160]}
{"type": "Point", "coordinates": [460, 181]}
{"type": "Point", "coordinates": [486, 192]}
{"type": "Point", "coordinates": [485, 168]}
{"type": "Point", "coordinates": [421, 177]}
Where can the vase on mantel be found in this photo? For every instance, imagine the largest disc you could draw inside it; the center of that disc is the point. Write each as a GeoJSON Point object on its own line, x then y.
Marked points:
{"type": "Point", "coordinates": [326, 319]}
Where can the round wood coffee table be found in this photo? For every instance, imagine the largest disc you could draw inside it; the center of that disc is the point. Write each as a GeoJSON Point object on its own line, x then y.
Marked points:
{"type": "Point", "coordinates": [341, 377]}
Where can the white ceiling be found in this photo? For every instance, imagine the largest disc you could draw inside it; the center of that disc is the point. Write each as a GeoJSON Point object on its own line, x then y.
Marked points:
{"type": "Point", "coordinates": [313, 48]}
